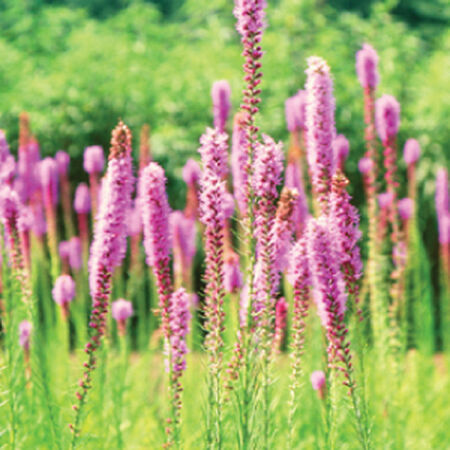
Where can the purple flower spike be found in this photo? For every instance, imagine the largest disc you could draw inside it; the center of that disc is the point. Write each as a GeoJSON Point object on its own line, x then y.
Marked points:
{"type": "Point", "coordinates": [341, 149]}
{"type": "Point", "coordinates": [64, 250]}
{"type": "Point", "coordinates": [25, 328]}
{"type": "Point", "coordinates": [367, 66]}
{"type": "Point", "coordinates": [191, 172]}
{"type": "Point", "coordinates": [62, 159]}
{"type": "Point", "coordinates": [250, 16]}
{"type": "Point", "coordinates": [121, 309]}
{"type": "Point", "coordinates": [365, 165]}
{"type": "Point", "coordinates": [320, 127]}
{"type": "Point", "coordinates": [64, 290]}
{"type": "Point", "coordinates": [213, 151]}
{"type": "Point", "coordinates": [82, 201]}
{"type": "Point", "coordinates": [179, 317]}
{"type": "Point", "coordinates": [385, 200]}
{"type": "Point", "coordinates": [387, 117]}
{"type": "Point", "coordinates": [239, 162]}
{"type": "Point", "coordinates": [294, 180]}
{"type": "Point", "coordinates": [442, 201]}
{"type": "Point", "coordinates": [405, 208]}
{"type": "Point", "coordinates": [318, 380]}
{"type": "Point", "coordinates": [411, 151]}
{"type": "Point", "coordinates": [75, 253]}
{"type": "Point", "coordinates": [48, 173]}
{"type": "Point", "coordinates": [221, 93]}
{"type": "Point", "coordinates": [295, 109]}
{"type": "Point", "coordinates": [155, 223]}
{"type": "Point", "coordinates": [94, 159]}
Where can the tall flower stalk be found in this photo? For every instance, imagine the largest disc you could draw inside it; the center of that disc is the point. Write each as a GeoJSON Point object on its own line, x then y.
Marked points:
{"type": "Point", "coordinates": [320, 129]}
{"type": "Point", "coordinates": [331, 304]}
{"type": "Point", "coordinates": [213, 151]}
{"type": "Point", "coordinates": [107, 252]}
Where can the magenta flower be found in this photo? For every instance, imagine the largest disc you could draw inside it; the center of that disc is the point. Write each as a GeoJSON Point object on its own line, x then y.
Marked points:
{"type": "Point", "coordinates": [250, 16]}
{"type": "Point", "coordinates": [75, 253]}
{"type": "Point", "coordinates": [48, 174]}
{"type": "Point", "coordinates": [62, 159]}
{"type": "Point", "coordinates": [411, 151]}
{"type": "Point", "coordinates": [7, 161]}
{"type": "Point", "coordinates": [232, 275]}
{"type": "Point", "coordinates": [27, 168]}
{"type": "Point", "coordinates": [121, 311]}
{"type": "Point", "coordinates": [63, 290]}
{"type": "Point", "coordinates": [344, 223]}
{"type": "Point", "coordinates": [191, 172]}
{"type": "Point", "coordinates": [318, 380]}
{"type": "Point", "coordinates": [239, 162]}
{"type": "Point", "coordinates": [155, 219]}
{"type": "Point", "coordinates": [281, 311]}
{"type": "Point", "coordinates": [442, 201]}
{"type": "Point", "coordinates": [108, 247]}
{"type": "Point", "coordinates": [365, 165]}
{"type": "Point", "coordinates": [64, 250]}
{"type": "Point", "coordinates": [94, 159]}
{"type": "Point", "coordinates": [320, 127]}
{"type": "Point", "coordinates": [405, 208]}
{"type": "Point", "coordinates": [134, 226]}
{"type": "Point", "coordinates": [183, 233]}
{"type": "Point", "coordinates": [341, 149]}
{"type": "Point", "coordinates": [82, 201]}
{"type": "Point", "coordinates": [295, 110]}
{"type": "Point", "coordinates": [367, 67]}
{"type": "Point", "coordinates": [387, 117]}
{"type": "Point", "coordinates": [25, 328]}
{"type": "Point", "coordinates": [221, 93]}
{"type": "Point", "coordinates": [213, 151]}
{"type": "Point", "coordinates": [385, 200]}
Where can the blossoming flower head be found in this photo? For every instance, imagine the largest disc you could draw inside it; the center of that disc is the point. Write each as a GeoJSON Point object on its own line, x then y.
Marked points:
{"type": "Point", "coordinates": [295, 110]}
{"type": "Point", "coordinates": [191, 172]}
{"type": "Point", "coordinates": [367, 66]}
{"type": "Point", "coordinates": [82, 201]}
{"type": "Point", "coordinates": [320, 126]}
{"type": "Point", "coordinates": [365, 165]}
{"type": "Point", "coordinates": [121, 309]}
{"type": "Point", "coordinates": [250, 16]}
{"type": "Point", "coordinates": [341, 149]}
{"type": "Point", "coordinates": [387, 117]}
{"type": "Point", "coordinates": [64, 250]}
{"type": "Point", "coordinates": [221, 93]}
{"type": "Point", "coordinates": [405, 208]}
{"type": "Point", "coordinates": [64, 290]}
{"type": "Point", "coordinates": [385, 199]}
{"type": "Point", "coordinates": [318, 380]}
{"type": "Point", "coordinates": [213, 150]}
{"type": "Point", "coordinates": [62, 159]}
{"type": "Point", "coordinates": [25, 328]}
{"type": "Point", "coordinates": [48, 173]}
{"type": "Point", "coordinates": [94, 159]}
{"type": "Point", "coordinates": [75, 253]}
{"type": "Point", "coordinates": [411, 151]}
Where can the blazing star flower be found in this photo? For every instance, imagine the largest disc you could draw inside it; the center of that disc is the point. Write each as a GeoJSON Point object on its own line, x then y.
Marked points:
{"type": "Point", "coordinates": [48, 172]}
{"type": "Point", "coordinates": [232, 275]}
{"type": "Point", "coordinates": [318, 382]}
{"type": "Point", "coordinates": [82, 201]}
{"type": "Point", "coordinates": [75, 253]}
{"type": "Point", "coordinates": [387, 117]}
{"type": "Point", "coordinates": [365, 165]}
{"type": "Point", "coordinates": [295, 110]}
{"type": "Point", "coordinates": [121, 311]}
{"type": "Point", "coordinates": [63, 290]}
{"type": "Point", "coordinates": [94, 159]}
{"type": "Point", "coordinates": [155, 220]}
{"type": "Point", "coordinates": [191, 172]}
{"type": "Point", "coordinates": [25, 328]}
{"type": "Point", "coordinates": [367, 66]}
{"type": "Point", "coordinates": [341, 149]}
{"type": "Point", "coordinates": [62, 159]}
{"type": "Point", "coordinates": [294, 180]}
{"type": "Point", "coordinates": [320, 127]}
{"type": "Point", "coordinates": [411, 151]}
{"type": "Point", "coordinates": [405, 208]}
{"type": "Point", "coordinates": [221, 93]}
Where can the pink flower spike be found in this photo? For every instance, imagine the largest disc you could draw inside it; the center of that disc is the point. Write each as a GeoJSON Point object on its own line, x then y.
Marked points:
{"type": "Point", "coordinates": [367, 66]}
{"type": "Point", "coordinates": [405, 208]}
{"type": "Point", "coordinates": [94, 159]}
{"type": "Point", "coordinates": [365, 165]}
{"type": "Point", "coordinates": [191, 172]}
{"type": "Point", "coordinates": [411, 151]}
{"type": "Point", "coordinates": [48, 173]}
{"type": "Point", "coordinates": [295, 110]}
{"type": "Point", "coordinates": [385, 200]}
{"type": "Point", "coordinates": [75, 253]}
{"type": "Point", "coordinates": [82, 201]}
{"type": "Point", "coordinates": [25, 328]}
{"type": "Point", "coordinates": [320, 127]}
{"type": "Point", "coordinates": [121, 309]}
{"type": "Point", "coordinates": [220, 94]}
{"type": "Point", "coordinates": [62, 159]}
{"type": "Point", "coordinates": [63, 290]}
{"type": "Point", "coordinates": [318, 380]}
{"type": "Point", "coordinates": [387, 117]}
{"type": "Point", "coordinates": [341, 149]}
{"type": "Point", "coordinates": [232, 275]}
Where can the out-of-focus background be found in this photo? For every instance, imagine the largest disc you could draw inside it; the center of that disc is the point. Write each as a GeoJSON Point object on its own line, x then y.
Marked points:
{"type": "Point", "coordinates": [78, 65]}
